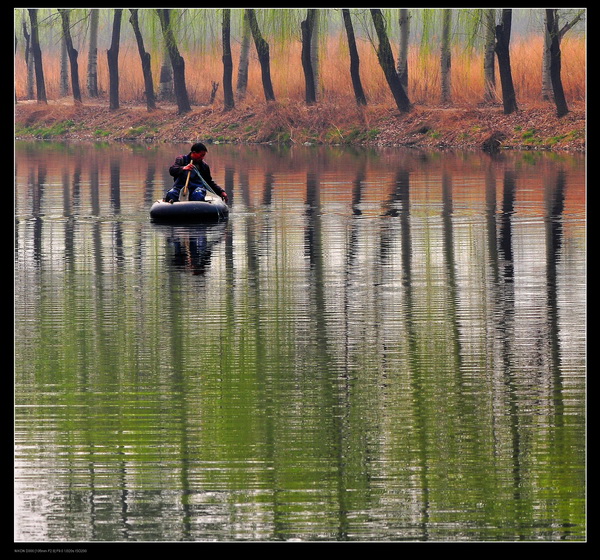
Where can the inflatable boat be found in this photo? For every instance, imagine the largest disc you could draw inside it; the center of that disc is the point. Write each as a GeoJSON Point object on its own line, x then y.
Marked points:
{"type": "Point", "coordinates": [212, 209]}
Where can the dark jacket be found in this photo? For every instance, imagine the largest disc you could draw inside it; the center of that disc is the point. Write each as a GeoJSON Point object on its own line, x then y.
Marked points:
{"type": "Point", "coordinates": [180, 175]}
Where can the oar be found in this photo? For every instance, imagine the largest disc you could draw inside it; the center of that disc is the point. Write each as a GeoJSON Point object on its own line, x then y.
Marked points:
{"type": "Point", "coordinates": [185, 194]}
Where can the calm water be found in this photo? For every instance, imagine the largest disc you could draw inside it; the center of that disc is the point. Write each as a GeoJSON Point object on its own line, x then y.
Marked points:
{"type": "Point", "coordinates": [378, 345]}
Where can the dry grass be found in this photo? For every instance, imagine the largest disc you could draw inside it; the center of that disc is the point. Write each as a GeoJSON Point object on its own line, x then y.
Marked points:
{"type": "Point", "coordinates": [288, 79]}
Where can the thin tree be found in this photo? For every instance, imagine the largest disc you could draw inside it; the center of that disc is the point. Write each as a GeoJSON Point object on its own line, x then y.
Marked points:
{"type": "Point", "coordinates": [446, 56]}
{"type": "Point", "coordinates": [359, 93]}
{"type": "Point", "coordinates": [555, 62]}
{"type": "Point", "coordinates": [228, 100]}
{"type": "Point", "coordinates": [307, 27]}
{"type": "Point", "coordinates": [72, 52]}
{"type": "Point", "coordinates": [386, 61]}
{"type": "Point", "coordinates": [547, 94]}
{"type": "Point", "coordinates": [402, 65]}
{"type": "Point", "coordinates": [112, 55]}
{"type": "Point", "coordinates": [242, 76]}
{"type": "Point", "coordinates": [29, 61]}
{"type": "Point", "coordinates": [64, 68]}
{"type": "Point", "coordinates": [177, 62]}
{"type": "Point", "coordinates": [262, 50]}
{"type": "Point", "coordinates": [317, 22]}
{"type": "Point", "coordinates": [145, 59]}
{"type": "Point", "coordinates": [489, 66]}
{"type": "Point", "coordinates": [92, 71]}
{"type": "Point", "coordinates": [40, 85]}
{"type": "Point", "coordinates": [502, 49]}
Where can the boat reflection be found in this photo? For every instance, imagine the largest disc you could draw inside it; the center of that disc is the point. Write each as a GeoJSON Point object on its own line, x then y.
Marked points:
{"type": "Point", "coordinates": [189, 248]}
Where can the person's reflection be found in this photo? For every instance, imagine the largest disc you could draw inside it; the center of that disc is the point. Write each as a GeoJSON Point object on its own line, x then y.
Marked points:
{"type": "Point", "coordinates": [192, 248]}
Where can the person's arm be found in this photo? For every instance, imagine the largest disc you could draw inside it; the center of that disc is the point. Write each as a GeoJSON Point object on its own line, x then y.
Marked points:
{"type": "Point", "coordinates": [178, 167]}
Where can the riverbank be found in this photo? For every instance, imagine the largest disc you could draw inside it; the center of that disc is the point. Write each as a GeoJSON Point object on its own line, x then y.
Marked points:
{"type": "Point", "coordinates": [481, 127]}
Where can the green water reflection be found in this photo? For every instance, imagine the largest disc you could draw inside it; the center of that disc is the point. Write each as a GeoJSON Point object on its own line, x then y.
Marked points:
{"type": "Point", "coordinates": [376, 346]}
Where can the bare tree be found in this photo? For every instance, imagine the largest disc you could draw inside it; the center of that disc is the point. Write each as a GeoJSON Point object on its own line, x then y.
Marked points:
{"type": "Point", "coordinates": [547, 93]}
{"type": "Point", "coordinates": [359, 94]}
{"type": "Point", "coordinates": [386, 61]}
{"type": "Point", "coordinates": [145, 58]}
{"type": "Point", "coordinates": [92, 72]}
{"type": "Point", "coordinates": [307, 27]}
{"type": "Point", "coordinates": [40, 84]}
{"type": "Point", "coordinates": [555, 62]}
{"type": "Point", "coordinates": [29, 61]}
{"type": "Point", "coordinates": [502, 49]}
{"type": "Point", "coordinates": [228, 100]}
{"type": "Point", "coordinates": [262, 49]}
{"type": "Point", "coordinates": [489, 69]}
{"type": "Point", "coordinates": [242, 76]}
{"type": "Point", "coordinates": [112, 55]}
{"type": "Point", "coordinates": [177, 62]}
{"type": "Point", "coordinates": [446, 56]}
{"type": "Point", "coordinates": [72, 52]}
{"type": "Point", "coordinates": [402, 65]}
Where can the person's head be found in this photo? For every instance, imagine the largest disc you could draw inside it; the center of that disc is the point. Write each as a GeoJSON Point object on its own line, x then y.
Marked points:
{"type": "Point", "coordinates": [198, 151]}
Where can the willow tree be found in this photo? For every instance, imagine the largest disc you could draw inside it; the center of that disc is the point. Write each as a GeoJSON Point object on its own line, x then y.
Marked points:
{"type": "Point", "coordinates": [359, 93]}
{"type": "Point", "coordinates": [145, 59]}
{"type": "Point", "coordinates": [112, 55]}
{"type": "Point", "coordinates": [40, 84]}
{"type": "Point", "coordinates": [262, 50]}
{"type": "Point", "coordinates": [228, 101]}
{"type": "Point", "coordinates": [72, 53]}
{"type": "Point", "coordinates": [386, 61]}
{"type": "Point", "coordinates": [502, 48]}
{"type": "Point", "coordinates": [177, 62]}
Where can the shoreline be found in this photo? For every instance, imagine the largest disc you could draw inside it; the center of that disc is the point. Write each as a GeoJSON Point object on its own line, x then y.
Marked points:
{"type": "Point", "coordinates": [483, 127]}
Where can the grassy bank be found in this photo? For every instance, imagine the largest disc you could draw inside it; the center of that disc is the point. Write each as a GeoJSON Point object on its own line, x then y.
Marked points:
{"type": "Point", "coordinates": [459, 127]}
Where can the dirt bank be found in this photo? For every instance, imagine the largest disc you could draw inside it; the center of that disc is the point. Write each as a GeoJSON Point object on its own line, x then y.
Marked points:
{"type": "Point", "coordinates": [481, 127]}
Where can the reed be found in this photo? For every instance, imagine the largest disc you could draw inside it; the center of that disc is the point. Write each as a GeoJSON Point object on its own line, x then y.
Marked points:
{"type": "Point", "coordinates": [288, 80]}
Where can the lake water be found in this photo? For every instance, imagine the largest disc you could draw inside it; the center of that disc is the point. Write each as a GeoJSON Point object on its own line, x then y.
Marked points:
{"type": "Point", "coordinates": [378, 345]}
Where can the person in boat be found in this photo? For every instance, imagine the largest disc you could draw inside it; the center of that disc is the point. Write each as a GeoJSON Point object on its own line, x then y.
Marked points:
{"type": "Point", "coordinates": [193, 166]}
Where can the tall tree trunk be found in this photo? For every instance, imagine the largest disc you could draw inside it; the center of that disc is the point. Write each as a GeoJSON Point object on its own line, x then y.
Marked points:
{"type": "Point", "coordinates": [177, 62]}
{"type": "Point", "coordinates": [228, 101]}
{"type": "Point", "coordinates": [502, 48]}
{"type": "Point", "coordinates": [446, 56]}
{"type": "Point", "coordinates": [307, 27]}
{"type": "Point", "coordinates": [359, 94]}
{"type": "Point", "coordinates": [314, 52]}
{"type": "Point", "coordinates": [386, 60]}
{"type": "Point", "coordinates": [547, 93]}
{"type": "Point", "coordinates": [112, 55]}
{"type": "Point", "coordinates": [402, 65]}
{"type": "Point", "coordinates": [546, 80]}
{"type": "Point", "coordinates": [145, 59]}
{"type": "Point", "coordinates": [555, 63]}
{"type": "Point", "coordinates": [489, 69]}
{"type": "Point", "coordinates": [72, 52]}
{"type": "Point", "coordinates": [40, 84]}
{"type": "Point", "coordinates": [242, 76]}
{"type": "Point", "coordinates": [64, 69]}
{"type": "Point", "coordinates": [92, 71]}
{"type": "Point", "coordinates": [29, 61]}
{"type": "Point", "coordinates": [262, 50]}
{"type": "Point", "coordinates": [165, 85]}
